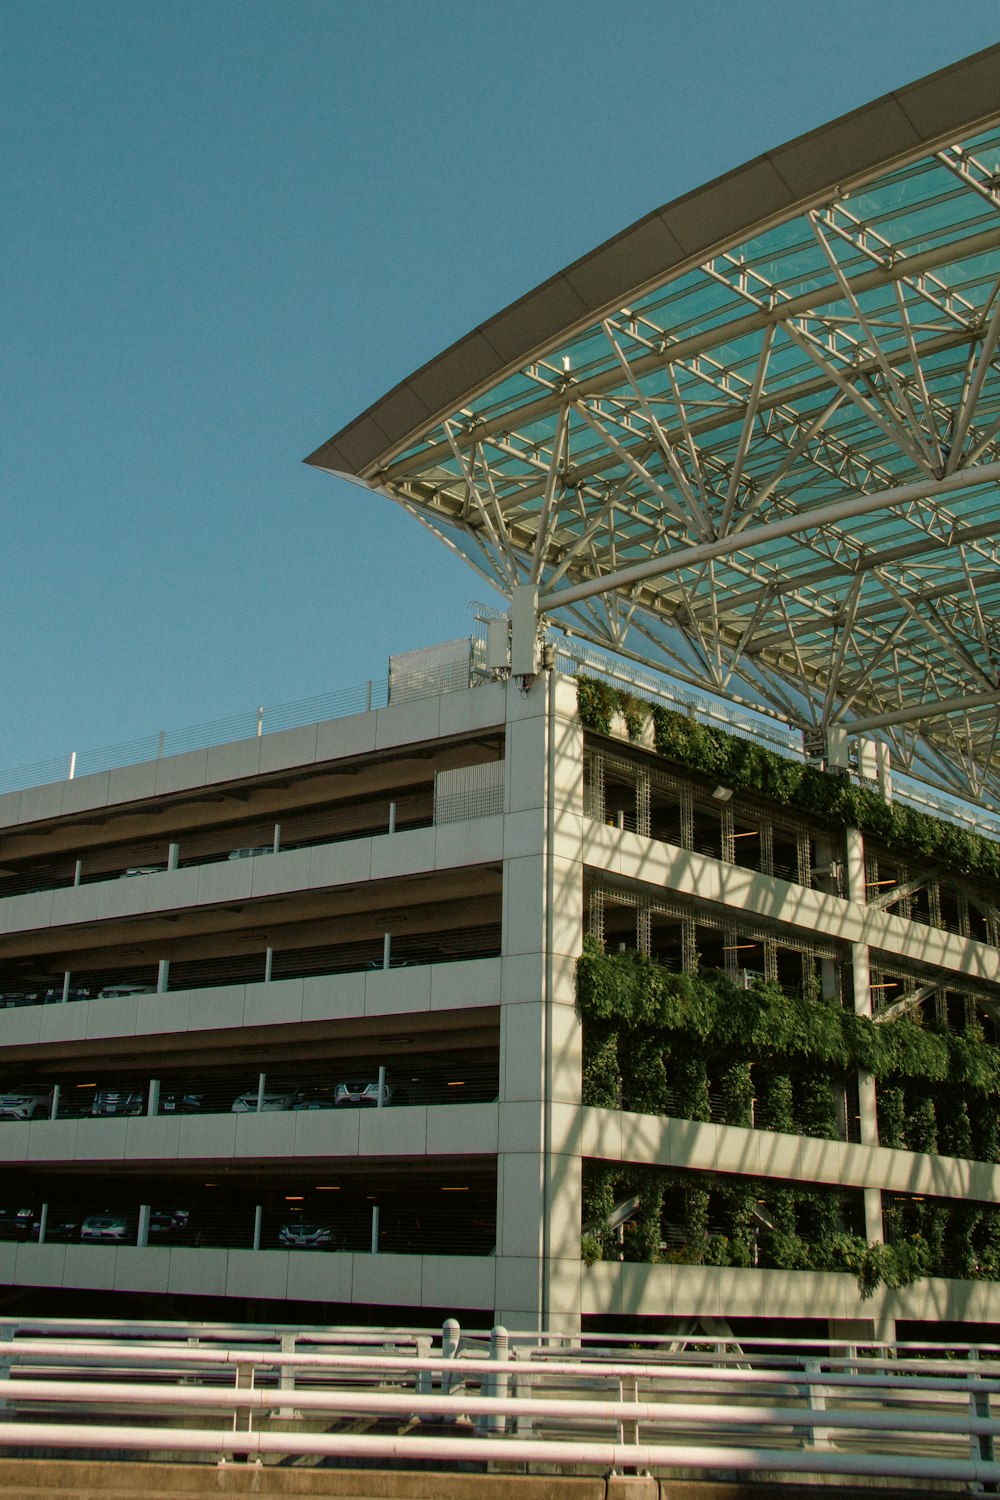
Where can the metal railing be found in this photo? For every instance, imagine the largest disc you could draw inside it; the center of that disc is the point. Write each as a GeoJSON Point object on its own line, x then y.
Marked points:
{"type": "Point", "coordinates": [263, 966]}
{"type": "Point", "coordinates": [244, 726]}
{"type": "Point", "coordinates": [702, 1406]}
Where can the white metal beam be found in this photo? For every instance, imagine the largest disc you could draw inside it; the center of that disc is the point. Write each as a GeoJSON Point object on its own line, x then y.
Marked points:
{"type": "Point", "coordinates": [805, 520]}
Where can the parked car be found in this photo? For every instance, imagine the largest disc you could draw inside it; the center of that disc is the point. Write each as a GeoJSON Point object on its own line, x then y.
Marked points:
{"type": "Point", "coordinates": [123, 1101]}
{"type": "Point", "coordinates": [364, 1092]}
{"type": "Point", "coordinates": [62, 1228]}
{"type": "Point", "coordinates": [180, 1102]}
{"type": "Point", "coordinates": [17, 1223]}
{"type": "Point", "coordinates": [10, 998]}
{"type": "Point", "coordinates": [25, 1104]}
{"type": "Point", "coordinates": [251, 851]}
{"type": "Point", "coordinates": [75, 1103]}
{"type": "Point", "coordinates": [316, 1098]}
{"type": "Point", "coordinates": [168, 1221]}
{"type": "Point", "coordinates": [272, 1099]}
{"type": "Point", "coordinates": [117, 990]}
{"type": "Point", "coordinates": [300, 1236]}
{"type": "Point", "coordinates": [109, 1227]}
{"type": "Point", "coordinates": [141, 870]}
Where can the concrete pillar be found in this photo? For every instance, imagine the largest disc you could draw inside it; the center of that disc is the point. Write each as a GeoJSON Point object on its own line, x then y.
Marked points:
{"type": "Point", "coordinates": [538, 1164]}
{"type": "Point", "coordinates": [861, 976]}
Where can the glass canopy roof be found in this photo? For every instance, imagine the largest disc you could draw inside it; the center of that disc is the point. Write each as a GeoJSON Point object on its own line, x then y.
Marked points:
{"type": "Point", "coordinates": [755, 440]}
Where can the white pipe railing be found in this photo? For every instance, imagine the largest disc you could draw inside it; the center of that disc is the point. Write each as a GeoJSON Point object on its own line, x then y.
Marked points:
{"type": "Point", "coordinates": [599, 1453]}
{"type": "Point", "coordinates": [898, 1407]}
{"type": "Point", "coordinates": [387, 1403]}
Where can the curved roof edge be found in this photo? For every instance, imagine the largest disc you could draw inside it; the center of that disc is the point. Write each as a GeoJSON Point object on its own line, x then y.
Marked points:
{"type": "Point", "coordinates": [822, 163]}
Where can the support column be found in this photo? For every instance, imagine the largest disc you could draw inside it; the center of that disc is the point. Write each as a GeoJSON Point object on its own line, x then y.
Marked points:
{"type": "Point", "coordinates": [861, 976]}
{"type": "Point", "coordinates": [538, 1165]}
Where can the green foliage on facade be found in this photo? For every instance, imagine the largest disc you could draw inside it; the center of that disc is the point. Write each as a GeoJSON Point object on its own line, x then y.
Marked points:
{"type": "Point", "coordinates": [653, 1041]}
{"type": "Point", "coordinates": [716, 1220]}
{"type": "Point", "coordinates": [747, 766]}
{"type": "Point", "coordinates": [645, 1027]}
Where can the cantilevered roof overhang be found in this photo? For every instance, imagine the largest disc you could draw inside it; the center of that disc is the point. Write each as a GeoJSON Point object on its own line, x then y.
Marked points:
{"type": "Point", "coordinates": [755, 438]}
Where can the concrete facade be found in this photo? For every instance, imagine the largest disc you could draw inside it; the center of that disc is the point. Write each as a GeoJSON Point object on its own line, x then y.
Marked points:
{"type": "Point", "coordinates": [373, 933]}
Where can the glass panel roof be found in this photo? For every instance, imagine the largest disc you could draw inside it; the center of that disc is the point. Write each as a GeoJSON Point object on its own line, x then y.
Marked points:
{"type": "Point", "coordinates": [774, 472]}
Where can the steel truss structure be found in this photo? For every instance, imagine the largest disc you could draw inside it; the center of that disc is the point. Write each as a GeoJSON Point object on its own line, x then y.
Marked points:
{"type": "Point", "coordinates": [755, 439]}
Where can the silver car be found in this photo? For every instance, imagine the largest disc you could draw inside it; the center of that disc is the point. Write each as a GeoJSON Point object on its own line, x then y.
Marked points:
{"type": "Point", "coordinates": [25, 1104]}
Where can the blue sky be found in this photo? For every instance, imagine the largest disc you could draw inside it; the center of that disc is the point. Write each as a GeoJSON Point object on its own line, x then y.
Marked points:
{"type": "Point", "coordinates": [228, 225]}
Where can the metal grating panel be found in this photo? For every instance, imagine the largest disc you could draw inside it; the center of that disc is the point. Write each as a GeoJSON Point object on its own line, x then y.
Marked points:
{"type": "Point", "coordinates": [468, 792]}
{"type": "Point", "coordinates": [444, 668]}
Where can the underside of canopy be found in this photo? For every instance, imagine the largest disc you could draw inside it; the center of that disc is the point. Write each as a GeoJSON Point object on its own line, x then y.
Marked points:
{"type": "Point", "coordinates": [754, 440]}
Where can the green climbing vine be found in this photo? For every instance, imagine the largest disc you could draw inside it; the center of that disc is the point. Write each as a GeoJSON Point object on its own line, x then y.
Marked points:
{"type": "Point", "coordinates": [825, 795]}
{"type": "Point", "coordinates": [657, 1042]}
{"type": "Point", "coordinates": [683, 1217]}
{"type": "Point", "coordinates": [700, 1047]}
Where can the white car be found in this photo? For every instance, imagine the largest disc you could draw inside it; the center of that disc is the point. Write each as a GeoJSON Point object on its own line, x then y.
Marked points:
{"type": "Point", "coordinates": [25, 1104]}
{"type": "Point", "coordinates": [246, 1104]}
{"type": "Point", "coordinates": [113, 991]}
{"type": "Point", "coordinates": [109, 1228]}
{"type": "Point", "coordinates": [363, 1092]}
{"type": "Point", "coordinates": [299, 1236]}
{"type": "Point", "coordinates": [252, 851]}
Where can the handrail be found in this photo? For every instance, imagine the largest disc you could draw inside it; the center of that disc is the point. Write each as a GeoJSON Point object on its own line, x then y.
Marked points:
{"type": "Point", "coordinates": [808, 1371]}
{"type": "Point", "coordinates": [598, 1454]}
{"type": "Point", "coordinates": [887, 1409]}
{"type": "Point", "coordinates": [593, 1451]}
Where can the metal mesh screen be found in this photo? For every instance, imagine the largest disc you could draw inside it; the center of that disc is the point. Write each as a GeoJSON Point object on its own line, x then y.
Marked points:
{"type": "Point", "coordinates": [468, 792]}
{"type": "Point", "coordinates": [433, 669]}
